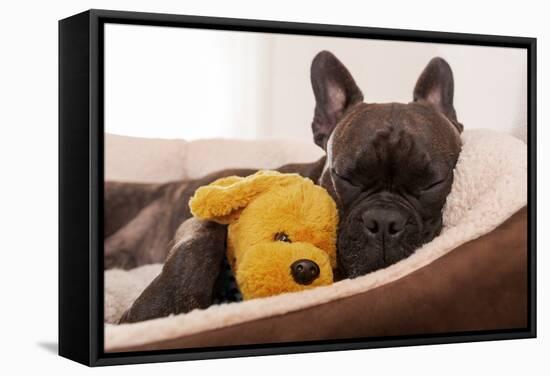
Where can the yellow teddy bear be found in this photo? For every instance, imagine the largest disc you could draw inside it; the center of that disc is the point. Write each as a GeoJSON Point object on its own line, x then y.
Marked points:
{"type": "Point", "coordinates": [281, 234]}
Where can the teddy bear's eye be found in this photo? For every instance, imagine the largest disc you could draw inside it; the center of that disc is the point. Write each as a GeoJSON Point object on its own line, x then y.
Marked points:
{"type": "Point", "coordinates": [282, 237]}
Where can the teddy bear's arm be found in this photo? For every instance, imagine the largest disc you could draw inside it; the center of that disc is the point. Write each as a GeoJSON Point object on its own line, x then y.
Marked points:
{"type": "Point", "coordinates": [189, 275]}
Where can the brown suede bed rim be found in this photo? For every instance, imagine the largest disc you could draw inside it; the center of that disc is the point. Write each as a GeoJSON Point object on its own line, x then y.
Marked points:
{"type": "Point", "coordinates": [480, 285]}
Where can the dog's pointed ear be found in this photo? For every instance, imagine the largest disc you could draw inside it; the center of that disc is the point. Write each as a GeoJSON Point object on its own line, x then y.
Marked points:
{"type": "Point", "coordinates": [223, 200]}
{"type": "Point", "coordinates": [436, 86]}
{"type": "Point", "coordinates": [334, 90]}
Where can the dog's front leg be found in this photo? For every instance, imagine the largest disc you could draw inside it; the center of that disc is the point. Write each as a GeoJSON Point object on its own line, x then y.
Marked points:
{"type": "Point", "coordinates": [189, 274]}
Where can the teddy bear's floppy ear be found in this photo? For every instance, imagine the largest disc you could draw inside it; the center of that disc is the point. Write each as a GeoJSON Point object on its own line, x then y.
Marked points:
{"type": "Point", "coordinates": [223, 200]}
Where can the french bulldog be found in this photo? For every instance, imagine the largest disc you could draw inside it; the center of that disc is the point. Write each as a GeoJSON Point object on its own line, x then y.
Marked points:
{"type": "Point", "coordinates": [389, 167]}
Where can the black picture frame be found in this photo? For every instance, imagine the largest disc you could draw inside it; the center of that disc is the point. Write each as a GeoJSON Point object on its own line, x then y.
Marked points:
{"type": "Point", "coordinates": [81, 183]}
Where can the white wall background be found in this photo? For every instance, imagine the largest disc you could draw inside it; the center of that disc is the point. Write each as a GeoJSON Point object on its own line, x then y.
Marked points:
{"type": "Point", "coordinates": [188, 83]}
{"type": "Point", "coordinates": [28, 155]}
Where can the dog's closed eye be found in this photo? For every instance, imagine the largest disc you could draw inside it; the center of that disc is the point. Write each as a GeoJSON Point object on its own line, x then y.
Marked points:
{"type": "Point", "coordinates": [434, 185]}
{"type": "Point", "coordinates": [344, 179]}
{"type": "Point", "coordinates": [282, 237]}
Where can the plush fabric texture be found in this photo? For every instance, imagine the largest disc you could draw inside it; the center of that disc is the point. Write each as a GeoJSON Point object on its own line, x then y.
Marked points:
{"type": "Point", "coordinates": [122, 288]}
{"type": "Point", "coordinates": [258, 209]}
{"type": "Point", "coordinates": [490, 186]}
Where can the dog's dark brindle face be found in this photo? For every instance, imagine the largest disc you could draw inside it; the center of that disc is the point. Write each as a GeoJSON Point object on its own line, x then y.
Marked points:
{"type": "Point", "coordinates": [389, 166]}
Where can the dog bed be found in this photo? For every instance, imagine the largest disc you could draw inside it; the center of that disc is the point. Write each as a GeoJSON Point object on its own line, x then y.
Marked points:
{"type": "Point", "coordinates": [473, 276]}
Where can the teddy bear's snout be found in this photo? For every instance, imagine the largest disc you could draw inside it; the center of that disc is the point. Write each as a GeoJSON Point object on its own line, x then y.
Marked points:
{"type": "Point", "coordinates": [304, 271]}
{"type": "Point", "coordinates": [275, 267]}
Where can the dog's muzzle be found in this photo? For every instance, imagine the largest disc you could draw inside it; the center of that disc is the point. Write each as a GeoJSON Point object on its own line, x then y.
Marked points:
{"type": "Point", "coordinates": [376, 234]}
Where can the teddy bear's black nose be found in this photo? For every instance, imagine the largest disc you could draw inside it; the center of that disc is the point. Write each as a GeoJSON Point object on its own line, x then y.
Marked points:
{"type": "Point", "coordinates": [304, 271]}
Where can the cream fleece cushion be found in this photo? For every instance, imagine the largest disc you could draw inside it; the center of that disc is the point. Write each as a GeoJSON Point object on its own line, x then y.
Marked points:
{"type": "Point", "coordinates": [490, 185]}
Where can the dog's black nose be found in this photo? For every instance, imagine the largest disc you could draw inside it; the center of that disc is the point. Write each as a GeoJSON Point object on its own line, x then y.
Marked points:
{"type": "Point", "coordinates": [389, 223]}
{"type": "Point", "coordinates": [304, 271]}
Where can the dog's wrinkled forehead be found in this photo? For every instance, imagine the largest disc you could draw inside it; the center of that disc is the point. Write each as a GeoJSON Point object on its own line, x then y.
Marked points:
{"type": "Point", "coordinates": [393, 132]}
